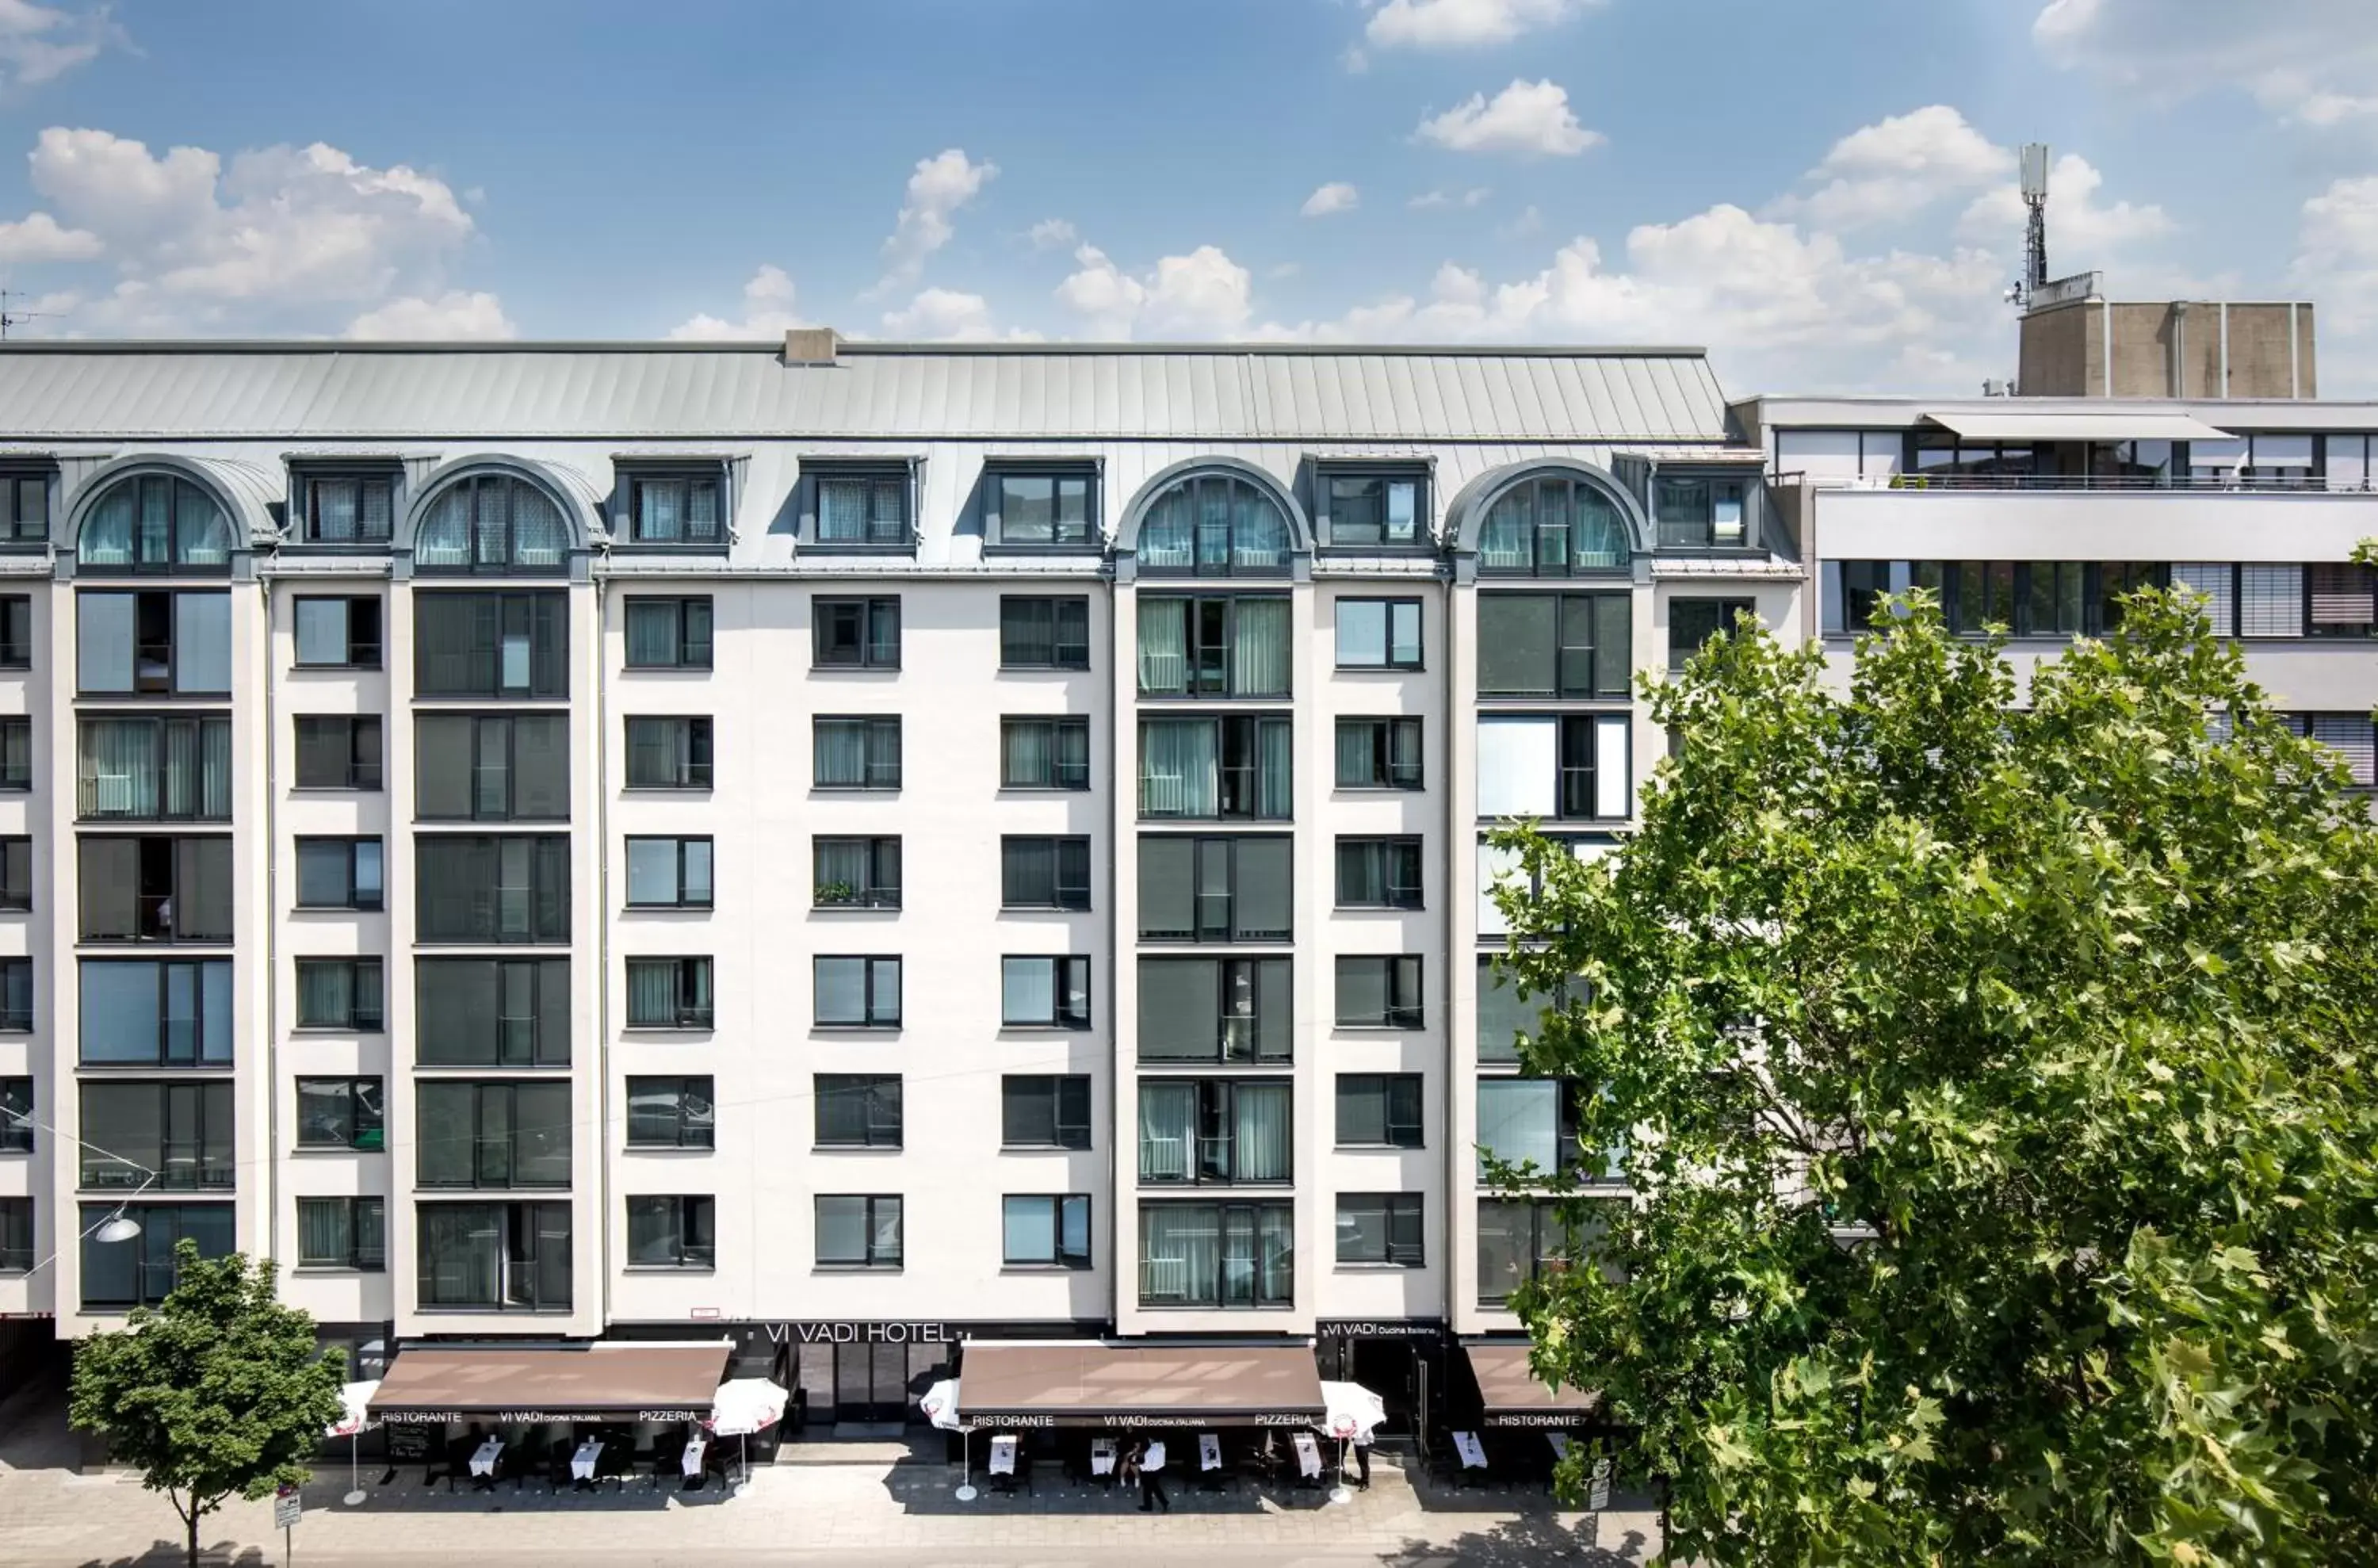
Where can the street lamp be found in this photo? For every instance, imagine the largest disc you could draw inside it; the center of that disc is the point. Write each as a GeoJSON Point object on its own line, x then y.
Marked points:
{"type": "Point", "coordinates": [118, 1227]}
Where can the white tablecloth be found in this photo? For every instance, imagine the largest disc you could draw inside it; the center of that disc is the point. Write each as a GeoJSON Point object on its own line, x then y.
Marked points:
{"type": "Point", "coordinates": [483, 1463]}
{"type": "Point", "coordinates": [582, 1464]}
{"type": "Point", "coordinates": [690, 1462]}
{"type": "Point", "coordinates": [1308, 1454]}
{"type": "Point", "coordinates": [1102, 1456]}
{"type": "Point", "coordinates": [1209, 1452]}
{"type": "Point", "coordinates": [1472, 1452]}
{"type": "Point", "coordinates": [1002, 1454]}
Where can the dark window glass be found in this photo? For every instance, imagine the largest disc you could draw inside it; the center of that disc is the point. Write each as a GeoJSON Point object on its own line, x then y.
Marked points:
{"type": "Point", "coordinates": [858, 1232]}
{"type": "Point", "coordinates": [1045, 1230]}
{"type": "Point", "coordinates": [1552, 527]}
{"type": "Point", "coordinates": [669, 873]}
{"type": "Point", "coordinates": [1520, 1241]}
{"type": "Point", "coordinates": [1214, 1010]}
{"type": "Point", "coordinates": [1378, 874]}
{"type": "Point", "coordinates": [1504, 1015]}
{"type": "Point", "coordinates": [144, 1013]}
{"type": "Point", "coordinates": [176, 1136]}
{"type": "Point", "coordinates": [482, 889]}
{"type": "Point", "coordinates": [1693, 622]}
{"type": "Point", "coordinates": [340, 1112]}
{"type": "Point", "coordinates": [343, 1233]}
{"type": "Point", "coordinates": [1215, 646]}
{"type": "Point", "coordinates": [1378, 753]}
{"type": "Point", "coordinates": [1378, 635]}
{"type": "Point", "coordinates": [1222, 1131]}
{"type": "Point", "coordinates": [1380, 1228]}
{"type": "Point", "coordinates": [858, 1110]}
{"type": "Point", "coordinates": [1227, 1255]}
{"type": "Point", "coordinates": [1554, 645]}
{"type": "Point", "coordinates": [1700, 511]}
{"type": "Point", "coordinates": [491, 645]}
{"type": "Point", "coordinates": [142, 1272]}
{"type": "Point", "coordinates": [492, 1135]}
{"type": "Point", "coordinates": [1038, 632]}
{"type": "Point", "coordinates": [152, 642]}
{"type": "Point", "coordinates": [154, 890]}
{"type": "Point", "coordinates": [24, 506]}
{"type": "Point", "coordinates": [16, 632]}
{"type": "Point", "coordinates": [340, 874]}
{"type": "Point", "coordinates": [856, 873]}
{"type": "Point", "coordinates": [1194, 890]}
{"type": "Point", "coordinates": [675, 509]}
{"type": "Point", "coordinates": [671, 1113]}
{"type": "Point", "coordinates": [491, 523]}
{"type": "Point", "coordinates": [678, 1231]}
{"type": "Point", "coordinates": [1049, 510]}
{"type": "Point", "coordinates": [17, 1116]}
{"type": "Point", "coordinates": [492, 767]}
{"type": "Point", "coordinates": [670, 633]}
{"type": "Point", "coordinates": [341, 993]}
{"type": "Point", "coordinates": [155, 523]}
{"type": "Point", "coordinates": [1241, 766]}
{"type": "Point", "coordinates": [1044, 1112]}
{"type": "Point", "coordinates": [668, 754]}
{"type": "Point", "coordinates": [1044, 753]}
{"type": "Point", "coordinates": [492, 1012]}
{"type": "Point", "coordinates": [493, 1256]}
{"type": "Point", "coordinates": [856, 633]}
{"type": "Point", "coordinates": [1379, 993]}
{"type": "Point", "coordinates": [338, 634]}
{"type": "Point", "coordinates": [1037, 992]}
{"type": "Point", "coordinates": [16, 761]}
{"type": "Point", "coordinates": [670, 993]}
{"type": "Point", "coordinates": [861, 507]}
{"type": "Point", "coordinates": [1044, 874]}
{"type": "Point", "coordinates": [16, 996]}
{"type": "Point", "coordinates": [856, 993]}
{"type": "Point", "coordinates": [140, 769]}
{"type": "Point", "coordinates": [1214, 525]}
{"type": "Point", "coordinates": [338, 752]}
{"type": "Point", "coordinates": [348, 509]}
{"type": "Point", "coordinates": [1378, 1110]}
{"type": "Point", "coordinates": [1368, 510]}
{"type": "Point", "coordinates": [17, 1255]}
{"type": "Point", "coordinates": [855, 753]}
{"type": "Point", "coordinates": [17, 872]}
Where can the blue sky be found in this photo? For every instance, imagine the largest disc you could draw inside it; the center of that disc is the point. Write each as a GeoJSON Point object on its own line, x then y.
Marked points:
{"type": "Point", "coordinates": [1820, 191]}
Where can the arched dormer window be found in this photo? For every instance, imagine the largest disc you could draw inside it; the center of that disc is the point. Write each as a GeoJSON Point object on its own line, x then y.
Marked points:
{"type": "Point", "coordinates": [1554, 525]}
{"type": "Point", "coordinates": [155, 523]}
{"type": "Point", "coordinates": [1215, 524]}
{"type": "Point", "coordinates": [491, 523]}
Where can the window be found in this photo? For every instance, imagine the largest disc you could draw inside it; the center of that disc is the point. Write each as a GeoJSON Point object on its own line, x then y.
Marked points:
{"type": "Point", "coordinates": [16, 996]}
{"type": "Point", "coordinates": [858, 1111]}
{"type": "Point", "coordinates": [340, 1112]}
{"type": "Point", "coordinates": [152, 640]}
{"type": "Point", "coordinates": [1552, 527]}
{"type": "Point", "coordinates": [17, 753]}
{"type": "Point", "coordinates": [1554, 645]}
{"type": "Point", "coordinates": [1239, 766]}
{"type": "Point", "coordinates": [1378, 635]}
{"type": "Point", "coordinates": [339, 874]}
{"type": "Point", "coordinates": [338, 634]}
{"type": "Point", "coordinates": [1380, 1228]}
{"type": "Point", "coordinates": [857, 992]}
{"type": "Point", "coordinates": [668, 754]}
{"type": "Point", "coordinates": [1378, 753]}
{"type": "Point", "coordinates": [1213, 647]}
{"type": "Point", "coordinates": [1518, 1243]}
{"type": "Point", "coordinates": [1215, 889]}
{"type": "Point", "coordinates": [1698, 511]}
{"type": "Point", "coordinates": [670, 633]}
{"type": "Point", "coordinates": [675, 508]}
{"type": "Point", "coordinates": [1378, 874]}
{"type": "Point", "coordinates": [1214, 525]}
{"type": "Point", "coordinates": [1693, 622]}
{"type": "Point", "coordinates": [492, 767]}
{"type": "Point", "coordinates": [670, 993]}
{"type": "Point", "coordinates": [1038, 632]}
{"type": "Point", "coordinates": [343, 1233]}
{"type": "Point", "coordinates": [857, 1233]}
{"type": "Point", "coordinates": [142, 1272]}
{"type": "Point", "coordinates": [17, 631]}
{"type": "Point", "coordinates": [24, 506]}
{"type": "Point", "coordinates": [1214, 1010]}
{"type": "Point", "coordinates": [1529, 1123]}
{"type": "Point", "coordinates": [1379, 993]}
{"type": "Point", "coordinates": [1055, 509]}
{"type": "Point", "coordinates": [2026, 598]}
{"type": "Point", "coordinates": [1216, 1130]}
{"type": "Point", "coordinates": [1216, 1254]}
{"type": "Point", "coordinates": [480, 889]}
{"type": "Point", "coordinates": [1375, 511]}
{"type": "Point", "coordinates": [1044, 992]}
{"type": "Point", "coordinates": [856, 633]}
{"type": "Point", "coordinates": [492, 1012]}
{"type": "Point", "coordinates": [1045, 1232]}
{"type": "Point", "coordinates": [1378, 1110]}
{"type": "Point", "coordinates": [338, 752]}
{"type": "Point", "coordinates": [668, 873]}
{"type": "Point", "coordinates": [1039, 1110]}
{"type": "Point", "coordinates": [16, 1235]}
{"type": "Point", "coordinates": [17, 1115]}
{"type": "Point", "coordinates": [144, 1013]}
{"type": "Point", "coordinates": [492, 1135]}
{"type": "Point", "coordinates": [680, 1231]}
{"type": "Point", "coordinates": [17, 872]}
{"type": "Point", "coordinates": [154, 890]}
{"type": "Point", "coordinates": [1044, 753]}
{"type": "Point", "coordinates": [670, 1113]}
{"type": "Point", "coordinates": [2217, 582]}
{"type": "Point", "coordinates": [491, 645]}
{"type": "Point", "coordinates": [855, 753]}
{"type": "Point", "coordinates": [1044, 874]}
{"type": "Point", "coordinates": [2351, 736]}
{"type": "Point", "coordinates": [340, 993]}
{"type": "Point", "coordinates": [491, 523]}
{"type": "Point", "coordinates": [180, 1131]}
{"type": "Point", "coordinates": [2343, 599]}
{"type": "Point", "coordinates": [862, 508]}
{"type": "Point", "coordinates": [155, 523]}
{"type": "Point", "coordinates": [1504, 1015]}
{"type": "Point", "coordinates": [856, 873]}
{"type": "Point", "coordinates": [493, 1256]}
{"type": "Point", "coordinates": [153, 769]}
{"type": "Point", "coordinates": [2270, 600]}
{"type": "Point", "coordinates": [347, 508]}
{"type": "Point", "coordinates": [1573, 765]}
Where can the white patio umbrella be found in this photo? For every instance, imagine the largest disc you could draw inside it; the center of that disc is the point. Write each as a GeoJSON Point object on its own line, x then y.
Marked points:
{"type": "Point", "coordinates": [744, 1406]}
{"type": "Point", "coordinates": [940, 1404]}
{"type": "Point", "coordinates": [1350, 1413]}
{"type": "Point", "coordinates": [355, 1419]}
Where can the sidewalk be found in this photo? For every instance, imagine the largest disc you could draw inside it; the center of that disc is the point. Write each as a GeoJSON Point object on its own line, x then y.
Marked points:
{"type": "Point", "coordinates": [900, 1512]}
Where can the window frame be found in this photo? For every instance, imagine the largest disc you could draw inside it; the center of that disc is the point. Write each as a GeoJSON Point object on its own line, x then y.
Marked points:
{"type": "Point", "coordinates": [364, 769]}
{"type": "Point", "coordinates": [1576, 786]}
{"type": "Point", "coordinates": [1542, 564]}
{"type": "Point", "coordinates": [876, 776]}
{"type": "Point", "coordinates": [1065, 852]}
{"type": "Point", "coordinates": [17, 1238]}
{"type": "Point", "coordinates": [358, 896]}
{"type": "Point", "coordinates": [694, 1093]}
{"type": "Point", "coordinates": [537, 974]}
{"type": "Point", "coordinates": [1229, 932]}
{"type": "Point", "coordinates": [871, 1216]}
{"type": "Point", "coordinates": [1214, 1103]}
{"type": "Point", "coordinates": [875, 894]}
{"type": "Point", "coordinates": [630, 476]}
{"type": "Point", "coordinates": [1588, 604]}
{"type": "Point", "coordinates": [1385, 730]}
{"type": "Point", "coordinates": [364, 1120]}
{"type": "Point", "coordinates": [1076, 1133]}
{"type": "Point", "coordinates": [510, 1134]}
{"type": "Point", "coordinates": [477, 482]}
{"type": "Point", "coordinates": [519, 1231]}
{"type": "Point", "coordinates": [882, 1110]}
{"type": "Point", "coordinates": [361, 653]}
{"type": "Point", "coordinates": [1228, 980]}
{"type": "Point", "coordinates": [152, 679]}
{"type": "Point", "coordinates": [16, 630]}
{"type": "Point", "coordinates": [871, 1019]}
{"type": "Point", "coordinates": [15, 873]}
{"type": "Point", "coordinates": [695, 757]}
{"type": "Point", "coordinates": [1059, 605]}
{"type": "Point", "coordinates": [161, 978]}
{"type": "Point", "coordinates": [1390, 609]}
{"type": "Point", "coordinates": [15, 478]}
{"type": "Point", "coordinates": [868, 652]}
{"type": "Point", "coordinates": [1195, 651]}
{"type": "Point", "coordinates": [1256, 1211]}
{"type": "Point", "coordinates": [1379, 848]}
{"type": "Point", "coordinates": [153, 1277]}
{"type": "Point", "coordinates": [360, 1257]}
{"type": "Point", "coordinates": [1069, 976]}
{"type": "Point", "coordinates": [1397, 1211]}
{"type": "Point", "coordinates": [693, 977]}
{"type": "Point", "coordinates": [181, 486]}
{"type": "Point", "coordinates": [196, 1149]}
{"type": "Point", "coordinates": [17, 759]}
{"type": "Point", "coordinates": [1324, 500]}
{"type": "Point", "coordinates": [1059, 1205]}
{"type": "Point", "coordinates": [1691, 535]}
{"type": "Point", "coordinates": [541, 897]}
{"type": "Point", "coordinates": [1227, 564]}
{"type": "Point", "coordinates": [481, 725]}
{"type": "Point", "coordinates": [182, 915]}
{"type": "Point", "coordinates": [1405, 988]}
{"type": "Point", "coordinates": [900, 475]}
{"type": "Point", "coordinates": [685, 1255]}
{"type": "Point", "coordinates": [995, 475]}
{"type": "Point", "coordinates": [687, 652]}
{"type": "Point", "coordinates": [304, 530]}
{"type": "Point", "coordinates": [546, 610]}
{"type": "Point", "coordinates": [683, 899]}
{"type": "Point", "coordinates": [18, 1127]}
{"type": "Point", "coordinates": [1728, 608]}
{"type": "Point", "coordinates": [1400, 1127]}
{"type": "Point", "coordinates": [1060, 778]}
{"type": "Point", "coordinates": [15, 976]}
{"type": "Point", "coordinates": [358, 1021]}
{"type": "Point", "coordinates": [1254, 726]}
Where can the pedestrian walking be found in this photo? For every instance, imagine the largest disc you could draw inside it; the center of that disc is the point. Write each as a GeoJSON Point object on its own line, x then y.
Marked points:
{"type": "Point", "coordinates": [1151, 1463]}
{"type": "Point", "coordinates": [1363, 1461]}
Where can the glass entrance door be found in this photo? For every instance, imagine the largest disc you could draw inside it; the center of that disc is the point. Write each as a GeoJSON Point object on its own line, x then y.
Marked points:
{"type": "Point", "coordinates": [870, 1382]}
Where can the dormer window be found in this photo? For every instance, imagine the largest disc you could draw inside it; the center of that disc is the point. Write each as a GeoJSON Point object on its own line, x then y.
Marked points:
{"type": "Point", "coordinates": [347, 506]}
{"type": "Point", "coordinates": [1556, 525]}
{"type": "Point", "coordinates": [491, 523]}
{"type": "Point", "coordinates": [1053, 507]}
{"type": "Point", "coordinates": [1374, 510]}
{"type": "Point", "coordinates": [683, 506]}
{"type": "Point", "coordinates": [25, 505]}
{"type": "Point", "coordinates": [1214, 525]}
{"type": "Point", "coordinates": [858, 507]}
{"type": "Point", "coordinates": [155, 523]}
{"type": "Point", "coordinates": [1701, 511]}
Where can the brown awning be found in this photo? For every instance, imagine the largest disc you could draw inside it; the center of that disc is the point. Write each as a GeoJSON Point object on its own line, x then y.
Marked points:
{"type": "Point", "coordinates": [432, 1385]}
{"type": "Point", "coordinates": [1089, 1384]}
{"type": "Point", "coordinates": [1512, 1396]}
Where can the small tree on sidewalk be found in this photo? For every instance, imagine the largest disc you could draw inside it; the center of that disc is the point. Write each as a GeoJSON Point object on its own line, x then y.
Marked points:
{"type": "Point", "coordinates": [220, 1392]}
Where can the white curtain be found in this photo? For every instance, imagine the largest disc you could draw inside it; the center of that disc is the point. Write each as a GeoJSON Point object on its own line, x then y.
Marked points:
{"type": "Point", "coordinates": [1180, 1251]}
{"type": "Point", "coordinates": [1518, 1121]}
{"type": "Point", "coordinates": [1028, 764]}
{"type": "Point", "coordinates": [1166, 532]}
{"type": "Point", "coordinates": [1519, 767]}
{"type": "Point", "coordinates": [1259, 533]}
{"type": "Point", "coordinates": [841, 753]}
{"type": "Point", "coordinates": [1168, 1126]}
{"type": "Point", "coordinates": [1275, 791]}
{"type": "Point", "coordinates": [1163, 646]}
{"type": "Point", "coordinates": [1027, 991]}
{"type": "Point", "coordinates": [1259, 661]}
{"type": "Point", "coordinates": [1261, 1113]}
{"type": "Point", "coordinates": [1177, 769]}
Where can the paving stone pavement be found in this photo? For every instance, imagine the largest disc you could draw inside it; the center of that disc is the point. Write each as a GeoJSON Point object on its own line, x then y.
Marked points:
{"type": "Point", "coordinates": [50, 1518]}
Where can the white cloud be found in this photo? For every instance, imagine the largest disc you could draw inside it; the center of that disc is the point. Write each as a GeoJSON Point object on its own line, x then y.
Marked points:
{"type": "Point", "coordinates": [1529, 222]}
{"type": "Point", "coordinates": [940, 313]}
{"type": "Point", "coordinates": [1052, 234]}
{"type": "Point", "coordinates": [37, 237]}
{"type": "Point", "coordinates": [940, 186]}
{"type": "Point", "coordinates": [1353, 61]}
{"type": "Point", "coordinates": [1527, 117]}
{"type": "Point", "coordinates": [1335, 197]}
{"type": "Point", "coordinates": [2091, 233]}
{"type": "Point", "coordinates": [1202, 294]}
{"type": "Point", "coordinates": [454, 314]}
{"type": "Point", "coordinates": [41, 43]}
{"type": "Point", "coordinates": [1435, 200]}
{"type": "Point", "coordinates": [2337, 254]}
{"type": "Point", "coordinates": [767, 312]}
{"type": "Point", "coordinates": [2308, 63]}
{"type": "Point", "coordinates": [1893, 169]}
{"type": "Point", "coordinates": [1461, 24]}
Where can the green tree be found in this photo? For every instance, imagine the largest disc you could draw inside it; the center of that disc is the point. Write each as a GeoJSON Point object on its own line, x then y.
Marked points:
{"type": "Point", "coordinates": [220, 1391]}
{"type": "Point", "coordinates": [1992, 1072]}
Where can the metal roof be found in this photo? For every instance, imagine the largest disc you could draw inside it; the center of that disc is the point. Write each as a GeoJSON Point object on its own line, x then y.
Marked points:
{"type": "Point", "coordinates": [875, 392]}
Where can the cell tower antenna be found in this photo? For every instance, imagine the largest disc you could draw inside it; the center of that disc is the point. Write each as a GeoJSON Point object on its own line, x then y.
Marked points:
{"type": "Point", "coordinates": [11, 317]}
{"type": "Point", "coordinates": [2035, 200]}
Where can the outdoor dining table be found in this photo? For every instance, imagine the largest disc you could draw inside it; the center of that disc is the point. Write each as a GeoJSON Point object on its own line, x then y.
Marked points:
{"type": "Point", "coordinates": [482, 1461]}
{"type": "Point", "coordinates": [582, 1464]}
{"type": "Point", "coordinates": [691, 1463]}
{"type": "Point", "coordinates": [1210, 1451]}
{"type": "Point", "coordinates": [1472, 1452]}
{"type": "Point", "coordinates": [1308, 1456]}
{"type": "Point", "coordinates": [1002, 1454]}
{"type": "Point", "coordinates": [1102, 1456]}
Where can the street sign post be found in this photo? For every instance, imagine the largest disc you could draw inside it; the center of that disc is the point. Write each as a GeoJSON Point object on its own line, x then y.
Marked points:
{"type": "Point", "coordinates": [287, 1509]}
{"type": "Point", "coordinates": [1597, 1490]}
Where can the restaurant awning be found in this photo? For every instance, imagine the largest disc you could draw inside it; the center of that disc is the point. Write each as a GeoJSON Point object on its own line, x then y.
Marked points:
{"type": "Point", "coordinates": [1511, 1396]}
{"type": "Point", "coordinates": [435, 1385]}
{"type": "Point", "coordinates": [1084, 1383]}
{"type": "Point", "coordinates": [2048, 425]}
